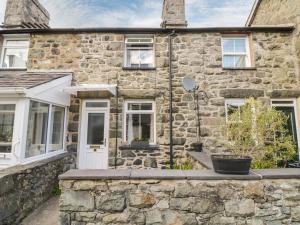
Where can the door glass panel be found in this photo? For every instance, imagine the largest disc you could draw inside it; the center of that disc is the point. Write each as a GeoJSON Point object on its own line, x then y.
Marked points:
{"type": "Point", "coordinates": [95, 129]}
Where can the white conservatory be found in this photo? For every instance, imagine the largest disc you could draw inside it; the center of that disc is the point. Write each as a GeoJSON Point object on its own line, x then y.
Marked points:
{"type": "Point", "coordinates": [33, 115]}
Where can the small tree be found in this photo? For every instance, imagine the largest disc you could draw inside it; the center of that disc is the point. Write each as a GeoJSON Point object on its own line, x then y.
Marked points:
{"type": "Point", "coordinates": [258, 131]}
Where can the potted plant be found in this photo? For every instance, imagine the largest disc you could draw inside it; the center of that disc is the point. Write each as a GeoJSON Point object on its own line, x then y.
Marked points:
{"type": "Point", "coordinates": [140, 143]}
{"type": "Point", "coordinates": [257, 137]}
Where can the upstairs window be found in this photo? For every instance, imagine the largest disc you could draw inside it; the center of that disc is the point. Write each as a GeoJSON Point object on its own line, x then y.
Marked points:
{"type": "Point", "coordinates": [235, 51]}
{"type": "Point", "coordinates": [14, 53]}
{"type": "Point", "coordinates": [139, 53]}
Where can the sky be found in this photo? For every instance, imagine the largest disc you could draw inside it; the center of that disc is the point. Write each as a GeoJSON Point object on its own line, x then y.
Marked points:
{"type": "Point", "coordinates": [141, 13]}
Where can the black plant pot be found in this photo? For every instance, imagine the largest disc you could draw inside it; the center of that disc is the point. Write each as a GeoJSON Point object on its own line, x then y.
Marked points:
{"type": "Point", "coordinates": [231, 164]}
{"type": "Point", "coordinates": [197, 147]}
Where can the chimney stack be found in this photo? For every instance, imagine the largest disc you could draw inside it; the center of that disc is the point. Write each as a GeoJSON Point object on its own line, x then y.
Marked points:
{"type": "Point", "coordinates": [22, 14]}
{"type": "Point", "coordinates": [173, 15]}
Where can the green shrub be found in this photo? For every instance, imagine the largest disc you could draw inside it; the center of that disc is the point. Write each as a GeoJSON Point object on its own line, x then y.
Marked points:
{"type": "Point", "coordinates": [56, 191]}
{"type": "Point", "coordinates": [258, 131]}
{"type": "Point", "coordinates": [186, 165]}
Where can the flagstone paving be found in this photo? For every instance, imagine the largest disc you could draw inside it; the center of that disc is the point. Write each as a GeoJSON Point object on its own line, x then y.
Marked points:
{"type": "Point", "coordinates": [46, 214]}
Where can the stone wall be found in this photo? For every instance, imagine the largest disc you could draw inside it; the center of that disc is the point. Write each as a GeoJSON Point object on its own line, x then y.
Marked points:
{"type": "Point", "coordinates": [186, 201]}
{"type": "Point", "coordinates": [23, 188]}
{"type": "Point", "coordinates": [98, 58]}
{"type": "Point", "coordinates": [277, 12]}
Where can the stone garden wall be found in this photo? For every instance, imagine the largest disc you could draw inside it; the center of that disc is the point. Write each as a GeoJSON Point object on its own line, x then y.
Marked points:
{"type": "Point", "coordinates": [98, 58]}
{"type": "Point", "coordinates": [172, 198]}
{"type": "Point", "coordinates": [24, 188]}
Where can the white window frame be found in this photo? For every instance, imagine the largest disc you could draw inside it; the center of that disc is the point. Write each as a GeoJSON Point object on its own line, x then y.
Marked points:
{"type": "Point", "coordinates": [143, 37]}
{"type": "Point", "coordinates": [294, 105]}
{"type": "Point", "coordinates": [247, 53]}
{"type": "Point", "coordinates": [5, 46]}
{"type": "Point", "coordinates": [237, 101]}
{"type": "Point", "coordinates": [47, 153]}
{"type": "Point", "coordinates": [126, 111]}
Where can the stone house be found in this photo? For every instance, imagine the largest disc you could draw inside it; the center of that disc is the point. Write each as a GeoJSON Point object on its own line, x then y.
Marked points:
{"type": "Point", "coordinates": [105, 94]}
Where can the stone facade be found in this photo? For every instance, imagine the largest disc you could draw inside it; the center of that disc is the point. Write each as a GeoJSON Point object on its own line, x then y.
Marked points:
{"type": "Point", "coordinates": [278, 12]}
{"type": "Point", "coordinates": [25, 12]}
{"type": "Point", "coordinates": [23, 188]}
{"type": "Point", "coordinates": [98, 58]}
{"type": "Point", "coordinates": [182, 202]}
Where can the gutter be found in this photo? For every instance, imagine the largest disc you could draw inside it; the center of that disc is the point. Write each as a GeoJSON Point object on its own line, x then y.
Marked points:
{"type": "Point", "coordinates": [13, 91]}
{"type": "Point", "coordinates": [275, 29]}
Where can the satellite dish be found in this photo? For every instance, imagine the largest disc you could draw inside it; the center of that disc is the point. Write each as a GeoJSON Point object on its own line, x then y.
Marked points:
{"type": "Point", "coordinates": [189, 84]}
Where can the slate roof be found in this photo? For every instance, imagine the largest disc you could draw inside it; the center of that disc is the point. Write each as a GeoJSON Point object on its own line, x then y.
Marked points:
{"type": "Point", "coordinates": [22, 79]}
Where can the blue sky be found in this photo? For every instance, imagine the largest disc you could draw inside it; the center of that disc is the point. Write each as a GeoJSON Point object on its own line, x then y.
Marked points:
{"type": "Point", "coordinates": [141, 13]}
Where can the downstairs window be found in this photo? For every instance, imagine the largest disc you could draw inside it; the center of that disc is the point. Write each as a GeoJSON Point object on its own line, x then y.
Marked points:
{"type": "Point", "coordinates": [45, 132]}
{"type": "Point", "coordinates": [139, 121]}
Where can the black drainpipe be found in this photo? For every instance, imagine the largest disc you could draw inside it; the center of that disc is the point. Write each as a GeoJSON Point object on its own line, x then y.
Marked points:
{"type": "Point", "coordinates": [171, 35]}
{"type": "Point", "coordinates": [117, 123]}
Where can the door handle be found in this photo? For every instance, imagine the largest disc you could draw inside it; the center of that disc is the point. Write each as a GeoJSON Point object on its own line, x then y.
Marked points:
{"type": "Point", "coordinates": [105, 142]}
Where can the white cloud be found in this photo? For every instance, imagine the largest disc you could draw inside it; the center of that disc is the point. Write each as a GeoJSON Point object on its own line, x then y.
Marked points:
{"type": "Point", "coordinates": [140, 13]}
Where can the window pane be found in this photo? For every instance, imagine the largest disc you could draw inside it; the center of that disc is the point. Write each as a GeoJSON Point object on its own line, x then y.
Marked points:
{"type": "Point", "coordinates": [240, 45]}
{"type": "Point", "coordinates": [146, 57]}
{"type": "Point", "coordinates": [7, 115]}
{"type": "Point", "coordinates": [228, 45]}
{"type": "Point", "coordinates": [37, 129]}
{"type": "Point", "coordinates": [228, 61]}
{"type": "Point", "coordinates": [14, 43]}
{"type": "Point", "coordinates": [240, 61]}
{"type": "Point", "coordinates": [140, 127]}
{"type": "Point", "coordinates": [56, 128]}
{"type": "Point", "coordinates": [15, 58]}
{"type": "Point", "coordinates": [96, 104]}
{"type": "Point", "coordinates": [139, 106]}
{"type": "Point", "coordinates": [95, 134]}
{"type": "Point", "coordinates": [231, 109]}
{"type": "Point", "coordinates": [133, 58]}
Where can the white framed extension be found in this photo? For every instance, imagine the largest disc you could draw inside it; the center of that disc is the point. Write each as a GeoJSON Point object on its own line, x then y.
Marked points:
{"type": "Point", "coordinates": [50, 93]}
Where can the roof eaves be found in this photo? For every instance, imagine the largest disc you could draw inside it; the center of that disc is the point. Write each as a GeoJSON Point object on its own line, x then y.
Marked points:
{"type": "Point", "coordinates": [150, 30]}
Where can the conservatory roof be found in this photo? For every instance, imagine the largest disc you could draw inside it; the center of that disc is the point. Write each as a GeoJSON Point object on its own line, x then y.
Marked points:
{"type": "Point", "coordinates": [27, 80]}
{"type": "Point", "coordinates": [44, 86]}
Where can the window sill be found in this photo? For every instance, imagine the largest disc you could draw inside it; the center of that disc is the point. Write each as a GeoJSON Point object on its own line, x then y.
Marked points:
{"type": "Point", "coordinates": [137, 68]}
{"type": "Point", "coordinates": [239, 68]}
{"type": "Point", "coordinates": [13, 69]}
{"type": "Point", "coordinates": [148, 148]}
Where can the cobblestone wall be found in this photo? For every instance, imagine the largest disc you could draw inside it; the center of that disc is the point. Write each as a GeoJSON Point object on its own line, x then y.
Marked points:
{"type": "Point", "coordinates": [98, 58]}
{"type": "Point", "coordinates": [194, 202]}
{"type": "Point", "coordinates": [23, 188]}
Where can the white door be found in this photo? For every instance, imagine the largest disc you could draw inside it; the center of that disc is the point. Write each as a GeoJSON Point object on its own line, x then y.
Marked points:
{"type": "Point", "coordinates": [93, 152]}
